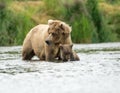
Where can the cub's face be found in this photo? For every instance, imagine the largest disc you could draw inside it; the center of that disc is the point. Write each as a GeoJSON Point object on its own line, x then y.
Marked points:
{"type": "Point", "coordinates": [65, 52]}
{"type": "Point", "coordinates": [57, 32]}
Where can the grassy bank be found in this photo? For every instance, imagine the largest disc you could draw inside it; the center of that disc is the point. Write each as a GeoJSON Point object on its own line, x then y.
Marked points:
{"type": "Point", "coordinates": [91, 21]}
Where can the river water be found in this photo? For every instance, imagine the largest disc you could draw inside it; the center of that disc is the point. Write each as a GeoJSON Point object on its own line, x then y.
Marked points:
{"type": "Point", "coordinates": [98, 71]}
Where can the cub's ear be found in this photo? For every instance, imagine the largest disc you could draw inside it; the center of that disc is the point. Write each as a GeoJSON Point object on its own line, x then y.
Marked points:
{"type": "Point", "coordinates": [50, 21]}
{"type": "Point", "coordinates": [71, 45]}
{"type": "Point", "coordinates": [61, 46]}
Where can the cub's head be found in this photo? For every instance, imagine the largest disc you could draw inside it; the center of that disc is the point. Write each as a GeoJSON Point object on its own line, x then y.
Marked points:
{"type": "Point", "coordinates": [65, 51]}
{"type": "Point", "coordinates": [58, 32]}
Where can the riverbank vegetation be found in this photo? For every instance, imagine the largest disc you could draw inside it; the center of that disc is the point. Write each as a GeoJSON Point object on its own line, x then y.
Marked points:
{"type": "Point", "coordinates": [92, 21]}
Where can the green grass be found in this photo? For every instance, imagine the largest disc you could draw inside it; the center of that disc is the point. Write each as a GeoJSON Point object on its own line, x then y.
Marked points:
{"type": "Point", "coordinates": [91, 21]}
{"type": "Point", "coordinates": [14, 26]}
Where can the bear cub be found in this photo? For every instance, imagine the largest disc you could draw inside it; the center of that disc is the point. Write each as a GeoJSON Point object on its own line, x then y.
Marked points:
{"type": "Point", "coordinates": [66, 53]}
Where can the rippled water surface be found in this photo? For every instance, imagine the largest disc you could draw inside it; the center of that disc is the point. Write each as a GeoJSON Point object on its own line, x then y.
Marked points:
{"type": "Point", "coordinates": [98, 71]}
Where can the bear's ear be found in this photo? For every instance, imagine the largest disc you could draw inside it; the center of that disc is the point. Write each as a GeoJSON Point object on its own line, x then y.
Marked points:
{"type": "Point", "coordinates": [50, 21]}
{"type": "Point", "coordinates": [65, 27]}
{"type": "Point", "coordinates": [62, 26]}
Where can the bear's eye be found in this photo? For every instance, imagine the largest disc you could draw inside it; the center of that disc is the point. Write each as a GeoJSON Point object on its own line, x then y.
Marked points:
{"type": "Point", "coordinates": [53, 34]}
{"type": "Point", "coordinates": [63, 33]}
{"type": "Point", "coordinates": [48, 32]}
{"type": "Point", "coordinates": [58, 29]}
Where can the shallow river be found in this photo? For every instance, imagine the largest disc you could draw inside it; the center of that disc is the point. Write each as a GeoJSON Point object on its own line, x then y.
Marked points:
{"type": "Point", "coordinates": [98, 71]}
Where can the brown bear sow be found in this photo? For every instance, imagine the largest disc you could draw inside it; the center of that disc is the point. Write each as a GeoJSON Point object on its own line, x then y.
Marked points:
{"type": "Point", "coordinates": [66, 53]}
{"type": "Point", "coordinates": [43, 40]}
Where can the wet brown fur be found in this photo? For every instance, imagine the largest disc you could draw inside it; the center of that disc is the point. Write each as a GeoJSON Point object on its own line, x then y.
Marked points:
{"type": "Point", "coordinates": [66, 53]}
{"type": "Point", "coordinates": [55, 32]}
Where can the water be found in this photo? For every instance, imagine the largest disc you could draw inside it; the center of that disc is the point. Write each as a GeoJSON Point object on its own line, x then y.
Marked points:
{"type": "Point", "coordinates": [98, 71]}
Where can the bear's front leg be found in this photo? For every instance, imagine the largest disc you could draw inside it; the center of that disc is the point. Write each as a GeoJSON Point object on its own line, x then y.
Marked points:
{"type": "Point", "coordinates": [49, 53]}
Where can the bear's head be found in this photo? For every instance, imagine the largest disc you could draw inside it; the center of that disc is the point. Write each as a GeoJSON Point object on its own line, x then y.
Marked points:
{"type": "Point", "coordinates": [58, 32]}
{"type": "Point", "coordinates": [65, 51]}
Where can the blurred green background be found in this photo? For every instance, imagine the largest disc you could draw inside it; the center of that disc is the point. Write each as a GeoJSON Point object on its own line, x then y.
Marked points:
{"type": "Point", "coordinates": [92, 21]}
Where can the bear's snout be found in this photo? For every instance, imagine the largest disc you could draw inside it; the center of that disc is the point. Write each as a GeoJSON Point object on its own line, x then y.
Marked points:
{"type": "Point", "coordinates": [48, 42]}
